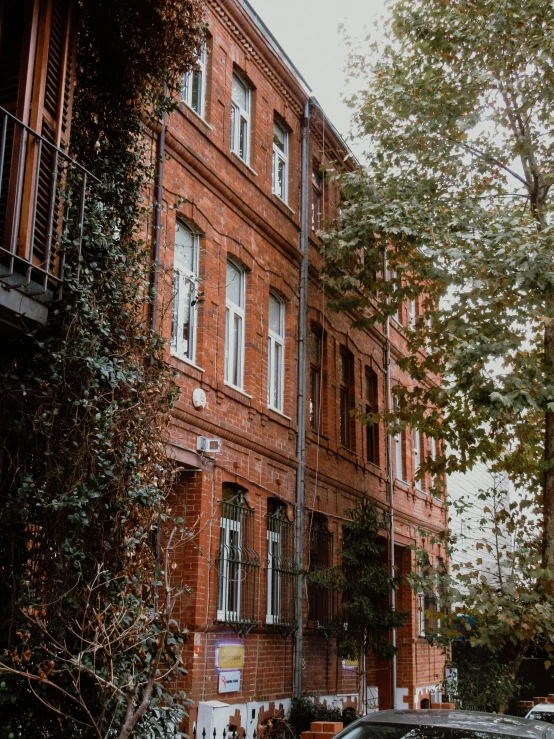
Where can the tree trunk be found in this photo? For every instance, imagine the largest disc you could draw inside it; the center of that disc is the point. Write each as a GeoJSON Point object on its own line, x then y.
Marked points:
{"type": "Point", "coordinates": [548, 489]}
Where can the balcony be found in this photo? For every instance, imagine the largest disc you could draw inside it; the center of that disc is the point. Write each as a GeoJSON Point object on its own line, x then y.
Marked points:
{"type": "Point", "coordinates": [43, 193]}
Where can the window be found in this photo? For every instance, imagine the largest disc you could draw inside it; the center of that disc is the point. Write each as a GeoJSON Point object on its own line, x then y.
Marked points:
{"type": "Point", "coordinates": [433, 455]}
{"type": "Point", "coordinates": [193, 90]}
{"type": "Point", "coordinates": [417, 458]}
{"type": "Point", "coordinates": [315, 357]}
{"type": "Point", "coordinates": [399, 443]}
{"type": "Point", "coordinates": [321, 601]}
{"type": "Point", "coordinates": [413, 314]}
{"type": "Point", "coordinates": [185, 290]}
{"type": "Point", "coordinates": [281, 567]}
{"type": "Point", "coordinates": [280, 161]}
{"type": "Point", "coordinates": [393, 277]}
{"type": "Point", "coordinates": [240, 118]}
{"type": "Point", "coordinates": [371, 429]}
{"type": "Point", "coordinates": [234, 326]}
{"type": "Point", "coordinates": [346, 379]}
{"type": "Point", "coordinates": [238, 562]}
{"type": "Point", "coordinates": [317, 197]}
{"type": "Point", "coordinates": [427, 601]}
{"type": "Point", "coordinates": [275, 352]}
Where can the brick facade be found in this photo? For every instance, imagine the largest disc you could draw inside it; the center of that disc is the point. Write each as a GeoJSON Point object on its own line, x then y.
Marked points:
{"type": "Point", "coordinates": [230, 205]}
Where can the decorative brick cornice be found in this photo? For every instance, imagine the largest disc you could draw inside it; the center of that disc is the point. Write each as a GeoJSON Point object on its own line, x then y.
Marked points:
{"type": "Point", "coordinates": [224, 10]}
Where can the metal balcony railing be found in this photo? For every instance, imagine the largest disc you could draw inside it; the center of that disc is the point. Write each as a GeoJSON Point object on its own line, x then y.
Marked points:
{"type": "Point", "coordinates": [37, 211]}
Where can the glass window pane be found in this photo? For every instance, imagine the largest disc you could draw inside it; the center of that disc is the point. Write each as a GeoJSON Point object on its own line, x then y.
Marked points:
{"type": "Point", "coordinates": [278, 358]}
{"type": "Point", "coordinates": [234, 284]}
{"type": "Point", "coordinates": [275, 322]}
{"type": "Point", "coordinates": [281, 174]}
{"type": "Point", "coordinates": [279, 136]}
{"type": "Point", "coordinates": [196, 92]}
{"type": "Point", "coordinates": [243, 141]}
{"type": "Point", "coordinates": [184, 248]}
{"type": "Point", "coordinates": [227, 345]}
{"type": "Point", "coordinates": [185, 329]}
{"type": "Point", "coordinates": [240, 93]}
{"type": "Point", "coordinates": [314, 347]}
{"type": "Point", "coordinates": [237, 347]}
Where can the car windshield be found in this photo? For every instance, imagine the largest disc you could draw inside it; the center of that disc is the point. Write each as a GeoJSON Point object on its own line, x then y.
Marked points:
{"type": "Point", "coordinates": [542, 716]}
{"type": "Point", "coordinates": [374, 730]}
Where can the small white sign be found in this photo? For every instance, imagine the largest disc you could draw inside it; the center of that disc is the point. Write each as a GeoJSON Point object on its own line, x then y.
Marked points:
{"type": "Point", "coordinates": [229, 682]}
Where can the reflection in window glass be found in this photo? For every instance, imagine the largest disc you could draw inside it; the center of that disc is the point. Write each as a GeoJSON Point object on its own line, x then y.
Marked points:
{"type": "Point", "coordinates": [375, 730]}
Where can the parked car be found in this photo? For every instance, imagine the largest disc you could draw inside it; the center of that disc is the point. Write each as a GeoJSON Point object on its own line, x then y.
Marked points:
{"type": "Point", "coordinates": [442, 724]}
{"type": "Point", "coordinates": [542, 712]}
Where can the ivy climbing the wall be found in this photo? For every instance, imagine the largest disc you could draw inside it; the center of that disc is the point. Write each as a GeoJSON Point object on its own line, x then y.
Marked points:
{"type": "Point", "coordinates": [88, 644]}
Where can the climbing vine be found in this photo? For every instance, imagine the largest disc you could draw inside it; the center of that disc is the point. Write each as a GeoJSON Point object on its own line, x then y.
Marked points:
{"type": "Point", "coordinates": [88, 646]}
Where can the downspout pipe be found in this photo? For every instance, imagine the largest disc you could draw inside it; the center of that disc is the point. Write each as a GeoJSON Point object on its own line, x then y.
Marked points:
{"type": "Point", "coordinates": [301, 400]}
{"type": "Point", "coordinates": [158, 221]}
{"type": "Point", "coordinates": [388, 408]}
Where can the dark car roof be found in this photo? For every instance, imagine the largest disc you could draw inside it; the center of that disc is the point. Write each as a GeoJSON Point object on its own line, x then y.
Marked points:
{"type": "Point", "coordinates": [493, 723]}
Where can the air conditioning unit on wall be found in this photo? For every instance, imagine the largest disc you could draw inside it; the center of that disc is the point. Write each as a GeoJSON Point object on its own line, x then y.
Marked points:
{"type": "Point", "coordinates": [210, 446]}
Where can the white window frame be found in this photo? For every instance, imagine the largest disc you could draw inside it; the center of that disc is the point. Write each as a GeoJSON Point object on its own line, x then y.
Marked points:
{"type": "Point", "coordinates": [273, 340]}
{"type": "Point", "coordinates": [433, 455]}
{"type": "Point", "coordinates": [188, 80]}
{"type": "Point", "coordinates": [280, 156]}
{"type": "Point", "coordinates": [393, 275]}
{"type": "Point", "coordinates": [238, 116]}
{"type": "Point", "coordinates": [421, 604]}
{"type": "Point", "coordinates": [413, 314]}
{"type": "Point", "coordinates": [398, 452]}
{"type": "Point", "coordinates": [417, 458]}
{"type": "Point", "coordinates": [184, 277]}
{"type": "Point", "coordinates": [223, 613]}
{"type": "Point", "coordinates": [232, 313]}
{"type": "Point", "coordinates": [273, 611]}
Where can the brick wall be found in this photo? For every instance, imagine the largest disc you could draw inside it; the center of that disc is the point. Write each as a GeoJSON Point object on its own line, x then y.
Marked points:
{"type": "Point", "coordinates": [231, 206]}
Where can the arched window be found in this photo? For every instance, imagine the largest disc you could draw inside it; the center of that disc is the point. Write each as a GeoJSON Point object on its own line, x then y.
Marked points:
{"type": "Point", "coordinates": [280, 160]}
{"type": "Point", "coordinates": [238, 562]}
{"type": "Point", "coordinates": [193, 90]}
{"type": "Point", "coordinates": [185, 290]}
{"type": "Point", "coordinates": [275, 353]}
{"type": "Point", "coordinates": [371, 406]}
{"type": "Point", "coordinates": [281, 567]}
{"type": "Point", "coordinates": [234, 325]}
{"type": "Point", "coordinates": [240, 118]}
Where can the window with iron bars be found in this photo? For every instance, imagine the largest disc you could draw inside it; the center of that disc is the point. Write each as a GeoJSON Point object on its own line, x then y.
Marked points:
{"type": "Point", "coordinates": [322, 602]}
{"type": "Point", "coordinates": [238, 562]}
{"type": "Point", "coordinates": [431, 598]}
{"type": "Point", "coordinates": [281, 568]}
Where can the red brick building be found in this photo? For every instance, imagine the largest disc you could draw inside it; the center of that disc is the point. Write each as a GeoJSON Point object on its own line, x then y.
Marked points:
{"type": "Point", "coordinates": [231, 243]}
{"type": "Point", "coordinates": [244, 188]}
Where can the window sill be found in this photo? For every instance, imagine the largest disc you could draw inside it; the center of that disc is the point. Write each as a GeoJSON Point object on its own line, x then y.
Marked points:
{"type": "Point", "coordinates": [190, 109]}
{"type": "Point", "coordinates": [237, 390]}
{"type": "Point", "coordinates": [187, 362]}
{"type": "Point", "coordinates": [402, 483]}
{"type": "Point", "coordinates": [245, 164]}
{"type": "Point", "coordinates": [278, 412]}
{"type": "Point", "coordinates": [279, 201]}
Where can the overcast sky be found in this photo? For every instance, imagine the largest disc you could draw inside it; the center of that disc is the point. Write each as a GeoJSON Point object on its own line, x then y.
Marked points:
{"type": "Point", "coordinates": [308, 32]}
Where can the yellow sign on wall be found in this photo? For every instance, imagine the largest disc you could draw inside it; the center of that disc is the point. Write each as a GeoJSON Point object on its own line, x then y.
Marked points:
{"type": "Point", "coordinates": [231, 657]}
{"type": "Point", "coordinates": [350, 663]}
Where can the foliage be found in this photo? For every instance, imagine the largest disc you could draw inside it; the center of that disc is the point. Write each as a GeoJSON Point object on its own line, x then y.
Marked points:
{"type": "Point", "coordinates": [88, 642]}
{"type": "Point", "coordinates": [455, 109]}
{"type": "Point", "coordinates": [365, 617]}
{"type": "Point", "coordinates": [305, 710]}
{"type": "Point", "coordinates": [482, 683]}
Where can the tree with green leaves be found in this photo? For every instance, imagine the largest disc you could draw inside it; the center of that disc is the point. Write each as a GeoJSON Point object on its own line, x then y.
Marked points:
{"type": "Point", "coordinates": [455, 111]}
{"type": "Point", "coordinates": [365, 617]}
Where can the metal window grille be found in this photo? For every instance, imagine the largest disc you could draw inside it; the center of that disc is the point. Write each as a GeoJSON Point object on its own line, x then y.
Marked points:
{"type": "Point", "coordinates": [238, 566]}
{"type": "Point", "coordinates": [281, 572]}
{"type": "Point", "coordinates": [322, 602]}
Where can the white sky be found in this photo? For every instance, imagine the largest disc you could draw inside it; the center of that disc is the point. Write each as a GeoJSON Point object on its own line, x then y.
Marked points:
{"type": "Point", "coordinates": [308, 32]}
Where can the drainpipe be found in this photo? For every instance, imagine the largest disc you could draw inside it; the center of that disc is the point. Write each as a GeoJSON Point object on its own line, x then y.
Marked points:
{"type": "Point", "coordinates": [390, 478]}
{"type": "Point", "coordinates": [301, 400]}
{"type": "Point", "coordinates": [158, 222]}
